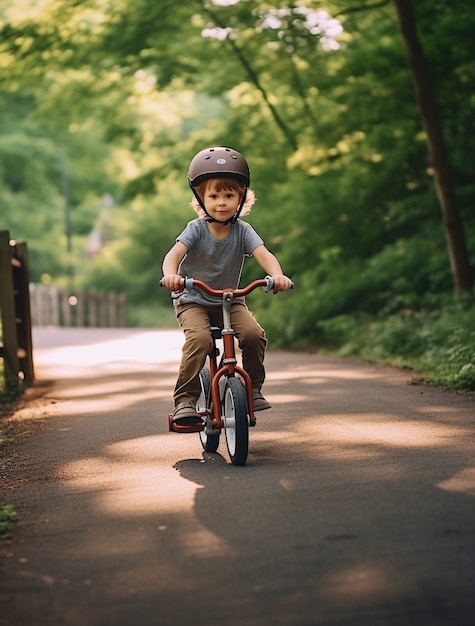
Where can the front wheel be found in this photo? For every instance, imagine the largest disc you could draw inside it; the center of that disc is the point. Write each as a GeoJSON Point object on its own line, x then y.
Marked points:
{"type": "Point", "coordinates": [236, 426]}
{"type": "Point", "coordinates": [209, 440]}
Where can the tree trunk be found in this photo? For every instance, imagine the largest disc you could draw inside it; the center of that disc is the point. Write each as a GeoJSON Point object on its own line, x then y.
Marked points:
{"type": "Point", "coordinates": [454, 232]}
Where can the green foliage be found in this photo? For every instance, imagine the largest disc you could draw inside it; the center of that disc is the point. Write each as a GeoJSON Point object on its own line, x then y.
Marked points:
{"type": "Point", "coordinates": [7, 517]}
{"type": "Point", "coordinates": [143, 234]}
{"type": "Point", "coordinates": [439, 344]}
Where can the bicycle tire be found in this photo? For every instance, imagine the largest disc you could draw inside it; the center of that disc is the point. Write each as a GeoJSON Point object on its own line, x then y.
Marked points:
{"type": "Point", "coordinates": [236, 425]}
{"type": "Point", "coordinates": [210, 443]}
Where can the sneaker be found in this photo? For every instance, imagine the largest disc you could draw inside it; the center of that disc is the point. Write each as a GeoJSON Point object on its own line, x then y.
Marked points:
{"type": "Point", "coordinates": [185, 413]}
{"type": "Point", "coordinates": [260, 403]}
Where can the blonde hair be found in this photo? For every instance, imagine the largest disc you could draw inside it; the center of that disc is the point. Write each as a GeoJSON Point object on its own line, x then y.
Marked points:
{"type": "Point", "coordinates": [224, 184]}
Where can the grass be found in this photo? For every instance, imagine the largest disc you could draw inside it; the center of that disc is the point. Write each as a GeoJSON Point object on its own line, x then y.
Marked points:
{"type": "Point", "coordinates": [7, 518]}
{"type": "Point", "coordinates": [8, 393]}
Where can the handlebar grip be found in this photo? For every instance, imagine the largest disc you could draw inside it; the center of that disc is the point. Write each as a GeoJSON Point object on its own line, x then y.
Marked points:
{"type": "Point", "coordinates": [188, 283]}
{"type": "Point", "coordinates": [270, 284]}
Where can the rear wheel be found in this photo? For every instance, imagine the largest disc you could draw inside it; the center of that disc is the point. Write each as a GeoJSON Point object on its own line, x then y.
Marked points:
{"type": "Point", "coordinates": [236, 426]}
{"type": "Point", "coordinates": [209, 441]}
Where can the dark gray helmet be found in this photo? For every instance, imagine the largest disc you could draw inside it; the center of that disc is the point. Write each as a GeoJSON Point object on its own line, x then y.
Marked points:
{"type": "Point", "coordinates": [218, 162]}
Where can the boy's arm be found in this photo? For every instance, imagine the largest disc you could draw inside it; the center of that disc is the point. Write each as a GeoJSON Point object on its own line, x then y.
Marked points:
{"type": "Point", "coordinates": [171, 279]}
{"type": "Point", "coordinates": [271, 266]}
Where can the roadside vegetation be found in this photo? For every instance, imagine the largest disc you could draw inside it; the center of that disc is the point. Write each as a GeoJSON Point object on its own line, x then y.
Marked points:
{"type": "Point", "coordinates": [7, 518]}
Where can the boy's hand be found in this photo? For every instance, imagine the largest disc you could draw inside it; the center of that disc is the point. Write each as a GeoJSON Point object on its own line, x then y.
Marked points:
{"type": "Point", "coordinates": [173, 282]}
{"type": "Point", "coordinates": [282, 283]}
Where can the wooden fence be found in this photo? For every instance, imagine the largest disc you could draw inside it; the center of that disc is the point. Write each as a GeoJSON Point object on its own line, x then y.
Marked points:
{"type": "Point", "coordinates": [51, 306]}
{"type": "Point", "coordinates": [23, 305]}
{"type": "Point", "coordinates": [15, 343]}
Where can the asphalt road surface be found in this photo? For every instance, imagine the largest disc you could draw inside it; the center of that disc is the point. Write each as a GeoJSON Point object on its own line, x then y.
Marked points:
{"type": "Point", "coordinates": [356, 506]}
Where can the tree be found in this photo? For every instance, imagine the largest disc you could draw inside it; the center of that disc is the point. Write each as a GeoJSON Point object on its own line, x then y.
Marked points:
{"type": "Point", "coordinates": [443, 179]}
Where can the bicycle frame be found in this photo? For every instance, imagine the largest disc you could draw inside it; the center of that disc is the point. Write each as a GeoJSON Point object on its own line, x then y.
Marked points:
{"type": "Point", "coordinates": [228, 366]}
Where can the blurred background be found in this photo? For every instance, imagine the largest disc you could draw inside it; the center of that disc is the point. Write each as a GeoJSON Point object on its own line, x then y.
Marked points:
{"type": "Point", "coordinates": [103, 105]}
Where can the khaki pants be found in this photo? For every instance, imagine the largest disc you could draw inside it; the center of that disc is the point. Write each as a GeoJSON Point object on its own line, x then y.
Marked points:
{"type": "Point", "coordinates": [195, 321]}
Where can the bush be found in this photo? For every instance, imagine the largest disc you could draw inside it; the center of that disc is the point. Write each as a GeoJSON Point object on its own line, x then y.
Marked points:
{"type": "Point", "coordinates": [438, 344]}
{"type": "Point", "coordinates": [7, 517]}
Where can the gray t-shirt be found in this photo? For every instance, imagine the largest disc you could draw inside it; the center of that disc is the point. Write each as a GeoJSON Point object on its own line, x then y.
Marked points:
{"type": "Point", "coordinates": [217, 262]}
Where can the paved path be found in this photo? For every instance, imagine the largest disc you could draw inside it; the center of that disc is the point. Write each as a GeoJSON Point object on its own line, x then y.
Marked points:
{"type": "Point", "coordinates": [356, 508]}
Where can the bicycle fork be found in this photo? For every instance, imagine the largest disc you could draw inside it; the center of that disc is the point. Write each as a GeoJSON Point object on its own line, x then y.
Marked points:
{"type": "Point", "coordinates": [228, 367]}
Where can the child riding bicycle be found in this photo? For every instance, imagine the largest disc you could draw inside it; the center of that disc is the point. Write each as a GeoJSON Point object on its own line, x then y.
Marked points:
{"type": "Point", "coordinates": [212, 248]}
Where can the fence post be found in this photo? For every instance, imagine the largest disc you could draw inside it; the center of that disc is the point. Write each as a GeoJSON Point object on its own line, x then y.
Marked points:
{"type": "Point", "coordinates": [122, 310]}
{"type": "Point", "coordinates": [64, 307]}
{"type": "Point", "coordinates": [92, 309]}
{"type": "Point", "coordinates": [102, 302]}
{"type": "Point", "coordinates": [7, 309]}
{"type": "Point", "coordinates": [16, 347]}
{"type": "Point", "coordinates": [80, 317]}
{"type": "Point", "coordinates": [23, 311]}
{"type": "Point", "coordinates": [55, 319]}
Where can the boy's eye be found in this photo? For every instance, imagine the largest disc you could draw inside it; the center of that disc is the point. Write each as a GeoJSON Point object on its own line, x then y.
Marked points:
{"type": "Point", "coordinates": [228, 196]}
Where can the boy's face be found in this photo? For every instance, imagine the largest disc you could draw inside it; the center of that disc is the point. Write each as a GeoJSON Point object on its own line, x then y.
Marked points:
{"type": "Point", "coordinates": [221, 203]}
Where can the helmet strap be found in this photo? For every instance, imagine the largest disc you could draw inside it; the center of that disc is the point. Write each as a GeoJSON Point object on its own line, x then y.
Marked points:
{"type": "Point", "coordinates": [233, 220]}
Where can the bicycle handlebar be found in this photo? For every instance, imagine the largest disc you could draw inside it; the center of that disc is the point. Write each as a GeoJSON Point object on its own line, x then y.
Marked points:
{"type": "Point", "coordinates": [267, 283]}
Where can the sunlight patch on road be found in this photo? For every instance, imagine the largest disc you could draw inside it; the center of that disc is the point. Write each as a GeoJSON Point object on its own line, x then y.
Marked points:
{"type": "Point", "coordinates": [91, 401]}
{"type": "Point", "coordinates": [360, 581]}
{"type": "Point", "coordinates": [288, 485]}
{"type": "Point", "coordinates": [288, 398]}
{"type": "Point", "coordinates": [315, 374]}
{"type": "Point", "coordinates": [128, 487]}
{"type": "Point", "coordinates": [201, 542]}
{"type": "Point", "coordinates": [267, 436]}
{"type": "Point", "coordinates": [462, 482]}
{"type": "Point", "coordinates": [298, 375]}
{"type": "Point", "coordinates": [392, 432]}
{"type": "Point", "coordinates": [139, 347]}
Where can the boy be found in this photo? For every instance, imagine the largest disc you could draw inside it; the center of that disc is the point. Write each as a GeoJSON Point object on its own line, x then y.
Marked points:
{"type": "Point", "coordinates": [212, 248]}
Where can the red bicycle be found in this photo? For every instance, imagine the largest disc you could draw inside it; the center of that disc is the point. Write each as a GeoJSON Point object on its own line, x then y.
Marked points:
{"type": "Point", "coordinates": [226, 389]}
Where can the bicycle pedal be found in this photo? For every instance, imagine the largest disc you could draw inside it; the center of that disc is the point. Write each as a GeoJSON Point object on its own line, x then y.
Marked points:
{"type": "Point", "coordinates": [184, 428]}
